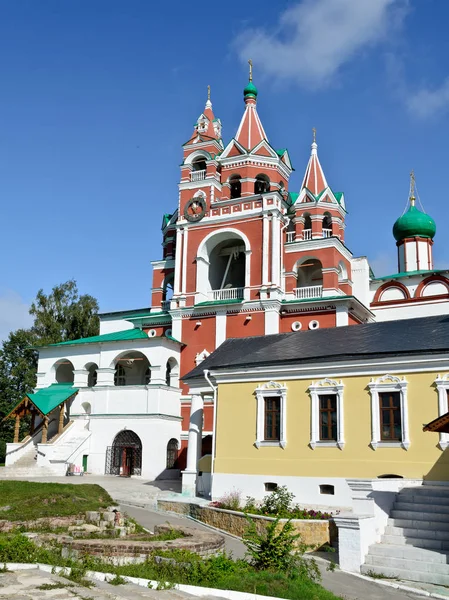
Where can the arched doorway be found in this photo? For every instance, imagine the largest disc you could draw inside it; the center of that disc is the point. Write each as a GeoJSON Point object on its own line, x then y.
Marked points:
{"type": "Point", "coordinates": [124, 457]}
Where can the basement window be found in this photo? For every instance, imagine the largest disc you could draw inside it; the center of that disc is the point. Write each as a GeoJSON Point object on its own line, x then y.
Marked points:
{"type": "Point", "coordinates": [389, 476]}
{"type": "Point", "coordinates": [329, 490]}
{"type": "Point", "coordinates": [270, 486]}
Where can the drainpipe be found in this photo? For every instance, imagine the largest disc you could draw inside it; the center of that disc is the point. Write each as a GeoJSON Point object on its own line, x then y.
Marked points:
{"type": "Point", "coordinates": [206, 374]}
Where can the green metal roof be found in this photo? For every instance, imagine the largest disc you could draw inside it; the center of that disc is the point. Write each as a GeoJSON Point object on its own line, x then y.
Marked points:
{"type": "Point", "coordinates": [215, 302]}
{"type": "Point", "coordinates": [411, 273]}
{"type": "Point", "coordinates": [414, 223]}
{"type": "Point", "coordinates": [166, 220]}
{"type": "Point", "coordinates": [123, 314]}
{"type": "Point", "coordinates": [281, 151]}
{"type": "Point", "coordinates": [116, 336]}
{"type": "Point", "coordinates": [47, 399]}
{"type": "Point", "coordinates": [153, 318]}
{"type": "Point", "coordinates": [293, 196]}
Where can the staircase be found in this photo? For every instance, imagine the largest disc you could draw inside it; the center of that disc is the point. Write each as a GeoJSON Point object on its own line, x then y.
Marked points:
{"type": "Point", "coordinates": [415, 545]}
{"type": "Point", "coordinates": [25, 467]}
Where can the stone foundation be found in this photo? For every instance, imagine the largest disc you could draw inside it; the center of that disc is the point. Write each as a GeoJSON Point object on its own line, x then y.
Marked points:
{"type": "Point", "coordinates": [314, 533]}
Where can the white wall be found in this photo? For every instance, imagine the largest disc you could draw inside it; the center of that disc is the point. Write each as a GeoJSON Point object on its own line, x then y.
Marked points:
{"type": "Point", "coordinates": [110, 325]}
{"type": "Point", "coordinates": [306, 489]}
{"type": "Point", "coordinates": [360, 279]}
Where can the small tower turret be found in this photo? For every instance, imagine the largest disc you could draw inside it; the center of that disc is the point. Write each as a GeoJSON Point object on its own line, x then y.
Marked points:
{"type": "Point", "coordinates": [414, 232]}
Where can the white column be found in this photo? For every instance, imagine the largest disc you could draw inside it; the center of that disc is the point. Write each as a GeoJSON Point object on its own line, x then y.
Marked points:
{"type": "Point", "coordinates": [80, 377]}
{"type": "Point", "coordinates": [220, 327]}
{"type": "Point", "coordinates": [275, 251]}
{"type": "Point", "coordinates": [271, 319]}
{"type": "Point", "coordinates": [178, 258]}
{"type": "Point", "coordinates": [184, 262]}
{"type": "Point", "coordinates": [176, 325]}
{"type": "Point", "coordinates": [189, 476]}
{"type": "Point", "coordinates": [342, 317]}
{"type": "Point", "coordinates": [265, 249]}
{"type": "Point", "coordinates": [105, 376]}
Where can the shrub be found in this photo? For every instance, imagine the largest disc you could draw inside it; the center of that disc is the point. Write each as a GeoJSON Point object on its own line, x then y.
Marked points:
{"type": "Point", "coordinates": [278, 502]}
{"type": "Point", "coordinates": [275, 549]}
{"type": "Point", "coordinates": [250, 505]}
{"type": "Point", "coordinates": [231, 500]}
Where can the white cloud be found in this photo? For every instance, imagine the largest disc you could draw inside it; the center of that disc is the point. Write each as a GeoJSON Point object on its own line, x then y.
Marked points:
{"type": "Point", "coordinates": [427, 102]}
{"type": "Point", "coordinates": [315, 38]}
{"type": "Point", "coordinates": [13, 313]}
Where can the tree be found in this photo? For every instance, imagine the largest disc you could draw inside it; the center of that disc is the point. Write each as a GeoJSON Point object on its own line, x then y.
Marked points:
{"type": "Point", "coordinates": [64, 315]}
{"type": "Point", "coordinates": [59, 316]}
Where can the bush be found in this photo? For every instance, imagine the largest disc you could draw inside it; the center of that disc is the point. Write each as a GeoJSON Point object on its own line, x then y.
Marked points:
{"type": "Point", "coordinates": [278, 502]}
{"type": "Point", "coordinates": [231, 500]}
{"type": "Point", "coordinates": [276, 549]}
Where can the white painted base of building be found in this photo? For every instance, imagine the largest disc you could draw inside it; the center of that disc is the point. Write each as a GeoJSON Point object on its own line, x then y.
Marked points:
{"type": "Point", "coordinates": [306, 489]}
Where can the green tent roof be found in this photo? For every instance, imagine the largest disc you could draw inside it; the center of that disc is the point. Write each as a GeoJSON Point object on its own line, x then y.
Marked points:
{"type": "Point", "coordinates": [47, 399]}
{"type": "Point", "coordinates": [116, 336]}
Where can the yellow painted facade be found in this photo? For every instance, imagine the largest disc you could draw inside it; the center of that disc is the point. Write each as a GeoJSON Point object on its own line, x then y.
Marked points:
{"type": "Point", "coordinates": [236, 434]}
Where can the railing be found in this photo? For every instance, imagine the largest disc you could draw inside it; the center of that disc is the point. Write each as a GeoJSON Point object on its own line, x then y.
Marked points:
{"type": "Point", "coordinates": [198, 175]}
{"type": "Point", "coordinates": [226, 294]}
{"type": "Point", "coordinates": [307, 234]}
{"type": "Point", "coordinates": [291, 236]}
{"type": "Point", "coordinates": [312, 291]}
{"type": "Point", "coordinates": [165, 304]}
{"type": "Point", "coordinates": [327, 233]}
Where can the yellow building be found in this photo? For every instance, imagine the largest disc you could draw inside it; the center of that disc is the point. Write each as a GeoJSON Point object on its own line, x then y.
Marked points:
{"type": "Point", "coordinates": [313, 409]}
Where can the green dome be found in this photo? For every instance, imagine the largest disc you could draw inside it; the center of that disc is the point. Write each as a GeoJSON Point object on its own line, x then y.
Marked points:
{"type": "Point", "coordinates": [250, 91]}
{"type": "Point", "coordinates": [414, 223]}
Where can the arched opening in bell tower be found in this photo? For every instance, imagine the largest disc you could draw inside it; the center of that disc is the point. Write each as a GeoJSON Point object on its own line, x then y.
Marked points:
{"type": "Point", "coordinates": [309, 279]}
{"type": "Point", "coordinates": [327, 225]}
{"type": "Point", "coordinates": [262, 184]}
{"type": "Point", "coordinates": [199, 164]}
{"type": "Point", "coordinates": [235, 186]}
{"type": "Point", "coordinates": [222, 266]}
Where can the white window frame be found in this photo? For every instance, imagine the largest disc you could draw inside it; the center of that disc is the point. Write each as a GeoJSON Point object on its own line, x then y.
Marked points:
{"type": "Point", "coordinates": [388, 383]}
{"type": "Point", "coordinates": [321, 388]}
{"type": "Point", "coordinates": [274, 390]}
{"type": "Point", "coordinates": [442, 386]}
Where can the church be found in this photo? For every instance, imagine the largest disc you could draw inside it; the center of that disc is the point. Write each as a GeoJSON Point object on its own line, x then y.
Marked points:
{"type": "Point", "coordinates": [243, 256]}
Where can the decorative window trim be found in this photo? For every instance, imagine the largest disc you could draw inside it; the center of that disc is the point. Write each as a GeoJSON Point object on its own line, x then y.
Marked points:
{"type": "Point", "coordinates": [320, 388]}
{"type": "Point", "coordinates": [442, 386]}
{"type": "Point", "coordinates": [388, 383]}
{"type": "Point", "coordinates": [276, 390]}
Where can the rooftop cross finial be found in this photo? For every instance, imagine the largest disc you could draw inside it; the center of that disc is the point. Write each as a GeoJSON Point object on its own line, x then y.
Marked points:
{"type": "Point", "coordinates": [314, 134]}
{"type": "Point", "coordinates": [412, 188]}
{"type": "Point", "coordinates": [208, 93]}
{"type": "Point", "coordinates": [250, 62]}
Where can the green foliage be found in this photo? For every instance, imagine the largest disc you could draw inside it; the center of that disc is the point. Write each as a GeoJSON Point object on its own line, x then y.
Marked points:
{"type": "Point", "coordinates": [277, 502]}
{"type": "Point", "coordinates": [231, 500]}
{"type": "Point", "coordinates": [117, 580]}
{"type": "Point", "coordinates": [64, 315]}
{"type": "Point", "coordinates": [59, 316]}
{"type": "Point", "coordinates": [58, 585]}
{"type": "Point", "coordinates": [31, 500]}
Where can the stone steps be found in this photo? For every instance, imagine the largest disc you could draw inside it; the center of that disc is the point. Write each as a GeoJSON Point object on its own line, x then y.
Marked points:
{"type": "Point", "coordinates": [415, 545]}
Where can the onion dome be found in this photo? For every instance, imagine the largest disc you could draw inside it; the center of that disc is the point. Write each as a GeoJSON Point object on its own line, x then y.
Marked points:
{"type": "Point", "coordinates": [250, 91]}
{"type": "Point", "coordinates": [414, 223]}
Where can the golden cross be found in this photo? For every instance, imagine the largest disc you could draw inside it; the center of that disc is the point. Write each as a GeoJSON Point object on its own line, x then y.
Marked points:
{"type": "Point", "coordinates": [314, 134]}
{"type": "Point", "coordinates": [208, 92]}
{"type": "Point", "coordinates": [250, 62]}
{"type": "Point", "coordinates": [412, 187]}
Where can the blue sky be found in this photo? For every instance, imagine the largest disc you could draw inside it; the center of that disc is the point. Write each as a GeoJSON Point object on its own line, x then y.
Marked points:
{"type": "Point", "coordinates": [97, 97]}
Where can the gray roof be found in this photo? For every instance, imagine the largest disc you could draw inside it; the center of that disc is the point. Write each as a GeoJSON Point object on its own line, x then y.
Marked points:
{"type": "Point", "coordinates": [389, 338]}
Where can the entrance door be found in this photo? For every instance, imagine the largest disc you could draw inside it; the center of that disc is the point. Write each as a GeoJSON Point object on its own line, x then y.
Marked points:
{"type": "Point", "coordinates": [127, 462]}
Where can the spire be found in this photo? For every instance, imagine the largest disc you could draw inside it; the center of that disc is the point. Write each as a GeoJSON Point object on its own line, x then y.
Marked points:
{"type": "Point", "coordinates": [207, 124]}
{"type": "Point", "coordinates": [250, 131]}
{"type": "Point", "coordinates": [314, 179]}
{"type": "Point", "coordinates": [411, 195]}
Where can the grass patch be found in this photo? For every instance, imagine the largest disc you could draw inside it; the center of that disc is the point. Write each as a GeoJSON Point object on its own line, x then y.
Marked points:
{"type": "Point", "coordinates": [32, 500]}
{"type": "Point", "coordinates": [219, 572]}
{"type": "Point", "coordinates": [117, 580]}
{"type": "Point", "coordinates": [55, 586]}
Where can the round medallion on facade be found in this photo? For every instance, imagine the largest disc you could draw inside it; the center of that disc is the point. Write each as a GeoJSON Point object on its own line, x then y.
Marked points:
{"type": "Point", "coordinates": [195, 209]}
{"type": "Point", "coordinates": [296, 326]}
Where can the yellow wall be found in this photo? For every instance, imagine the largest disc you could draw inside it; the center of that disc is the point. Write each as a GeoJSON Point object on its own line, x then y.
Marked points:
{"type": "Point", "coordinates": [236, 434]}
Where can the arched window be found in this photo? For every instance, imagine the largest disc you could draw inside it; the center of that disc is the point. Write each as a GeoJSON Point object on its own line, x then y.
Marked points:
{"type": "Point", "coordinates": [167, 291]}
{"type": "Point", "coordinates": [307, 233]}
{"type": "Point", "coordinates": [327, 225]}
{"type": "Point", "coordinates": [168, 373]}
{"type": "Point", "coordinates": [310, 279]}
{"type": "Point", "coordinates": [199, 164]}
{"type": "Point", "coordinates": [120, 375]}
{"type": "Point", "coordinates": [132, 368]}
{"type": "Point", "coordinates": [172, 453]}
{"type": "Point", "coordinates": [92, 375]}
{"type": "Point", "coordinates": [262, 184]}
{"type": "Point", "coordinates": [235, 185]}
{"type": "Point", "coordinates": [64, 372]}
{"type": "Point", "coordinates": [124, 457]}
